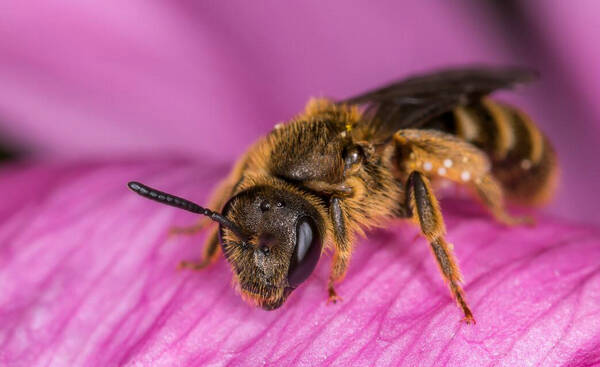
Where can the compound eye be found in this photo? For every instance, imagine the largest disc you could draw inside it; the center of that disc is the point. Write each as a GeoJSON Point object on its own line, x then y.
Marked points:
{"type": "Point", "coordinates": [306, 251]}
{"type": "Point", "coordinates": [352, 156]}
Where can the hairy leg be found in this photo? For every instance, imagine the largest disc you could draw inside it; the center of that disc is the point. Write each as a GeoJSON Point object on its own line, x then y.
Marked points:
{"type": "Point", "coordinates": [210, 253]}
{"type": "Point", "coordinates": [216, 202]}
{"type": "Point", "coordinates": [426, 212]}
{"type": "Point", "coordinates": [491, 195]}
{"type": "Point", "coordinates": [190, 230]}
{"type": "Point", "coordinates": [439, 155]}
{"type": "Point", "coordinates": [342, 238]}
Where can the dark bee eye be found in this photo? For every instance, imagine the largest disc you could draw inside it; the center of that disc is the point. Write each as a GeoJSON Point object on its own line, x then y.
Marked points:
{"type": "Point", "coordinates": [306, 252]}
{"type": "Point", "coordinates": [352, 156]}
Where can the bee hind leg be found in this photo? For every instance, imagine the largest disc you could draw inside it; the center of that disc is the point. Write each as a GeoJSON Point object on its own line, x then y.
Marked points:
{"type": "Point", "coordinates": [492, 196]}
{"type": "Point", "coordinates": [210, 253]}
{"type": "Point", "coordinates": [426, 211]}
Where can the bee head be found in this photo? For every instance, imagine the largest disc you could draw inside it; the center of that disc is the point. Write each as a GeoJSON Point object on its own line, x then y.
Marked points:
{"type": "Point", "coordinates": [283, 241]}
{"type": "Point", "coordinates": [272, 237]}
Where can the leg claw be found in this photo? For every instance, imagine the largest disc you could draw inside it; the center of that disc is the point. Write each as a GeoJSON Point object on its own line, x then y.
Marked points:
{"type": "Point", "coordinates": [469, 320]}
{"type": "Point", "coordinates": [333, 297]}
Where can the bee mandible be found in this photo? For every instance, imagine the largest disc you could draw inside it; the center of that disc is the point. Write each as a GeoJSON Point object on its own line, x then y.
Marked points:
{"type": "Point", "coordinates": [341, 167]}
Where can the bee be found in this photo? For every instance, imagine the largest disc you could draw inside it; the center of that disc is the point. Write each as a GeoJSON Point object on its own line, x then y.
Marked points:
{"type": "Point", "coordinates": [313, 184]}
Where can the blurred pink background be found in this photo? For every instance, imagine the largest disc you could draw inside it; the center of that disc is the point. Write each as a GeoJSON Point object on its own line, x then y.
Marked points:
{"type": "Point", "coordinates": [205, 79]}
{"type": "Point", "coordinates": [93, 94]}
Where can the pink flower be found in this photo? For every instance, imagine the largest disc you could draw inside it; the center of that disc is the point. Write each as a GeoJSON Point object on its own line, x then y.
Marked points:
{"type": "Point", "coordinates": [101, 94]}
{"type": "Point", "coordinates": [88, 277]}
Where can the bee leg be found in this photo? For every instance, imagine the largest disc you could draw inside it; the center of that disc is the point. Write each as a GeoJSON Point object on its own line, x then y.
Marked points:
{"type": "Point", "coordinates": [426, 211]}
{"type": "Point", "coordinates": [343, 247]}
{"type": "Point", "coordinates": [190, 230]}
{"type": "Point", "coordinates": [491, 194]}
{"type": "Point", "coordinates": [442, 155]}
{"type": "Point", "coordinates": [209, 256]}
{"type": "Point", "coordinates": [217, 200]}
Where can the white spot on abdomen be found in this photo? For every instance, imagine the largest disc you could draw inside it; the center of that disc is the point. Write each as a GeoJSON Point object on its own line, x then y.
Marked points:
{"type": "Point", "coordinates": [465, 176]}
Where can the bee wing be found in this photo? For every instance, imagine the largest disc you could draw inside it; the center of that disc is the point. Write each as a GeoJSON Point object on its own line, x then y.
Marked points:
{"type": "Point", "coordinates": [412, 102]}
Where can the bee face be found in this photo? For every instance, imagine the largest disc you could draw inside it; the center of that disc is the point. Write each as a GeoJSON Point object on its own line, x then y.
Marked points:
{"type": "Point", "coordinates": [285, 239]}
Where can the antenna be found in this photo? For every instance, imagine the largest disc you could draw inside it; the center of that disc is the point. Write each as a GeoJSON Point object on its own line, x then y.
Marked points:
{"type": "Point", "coordinates": [172, 200]}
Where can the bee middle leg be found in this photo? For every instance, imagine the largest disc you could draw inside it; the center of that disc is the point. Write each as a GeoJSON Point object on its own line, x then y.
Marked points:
{"type": "Point", "coordinates": [211, 250]}
{"type": "Point", "coordinates": [426, 211]}
{"type": "Point", "coordinates": [442, 155]}
{"type": "Point", "coordinates": [190, 230]}
{"type": "Point", "coordinates": [217, 200]}
{"type": "Point", "coordinates": [209, 256]}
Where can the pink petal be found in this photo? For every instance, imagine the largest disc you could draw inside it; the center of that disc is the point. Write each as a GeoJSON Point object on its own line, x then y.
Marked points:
{"type": "Point", "coordinates": [87, 277]}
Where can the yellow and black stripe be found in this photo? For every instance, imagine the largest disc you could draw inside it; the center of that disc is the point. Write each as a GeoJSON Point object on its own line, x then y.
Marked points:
{"type": "Point", "coordinates": [522, 158]}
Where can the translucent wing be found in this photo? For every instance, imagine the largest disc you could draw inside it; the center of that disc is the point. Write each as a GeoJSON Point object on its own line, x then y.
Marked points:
{"type": "Point", "coordinates": [412, 102]}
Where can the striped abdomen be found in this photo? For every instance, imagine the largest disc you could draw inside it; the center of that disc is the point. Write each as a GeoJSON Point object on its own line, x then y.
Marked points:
{"type": "Point", "coordinates": [522, 158]}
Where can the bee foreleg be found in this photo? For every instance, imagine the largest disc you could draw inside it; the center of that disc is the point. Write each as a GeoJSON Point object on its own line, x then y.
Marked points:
{"type": "Point", "coordinates": [342, 239]}
{"type": "Point", "coordinates": [426, 212]}
{"type": "Point", "coordinates": [209, 255]}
